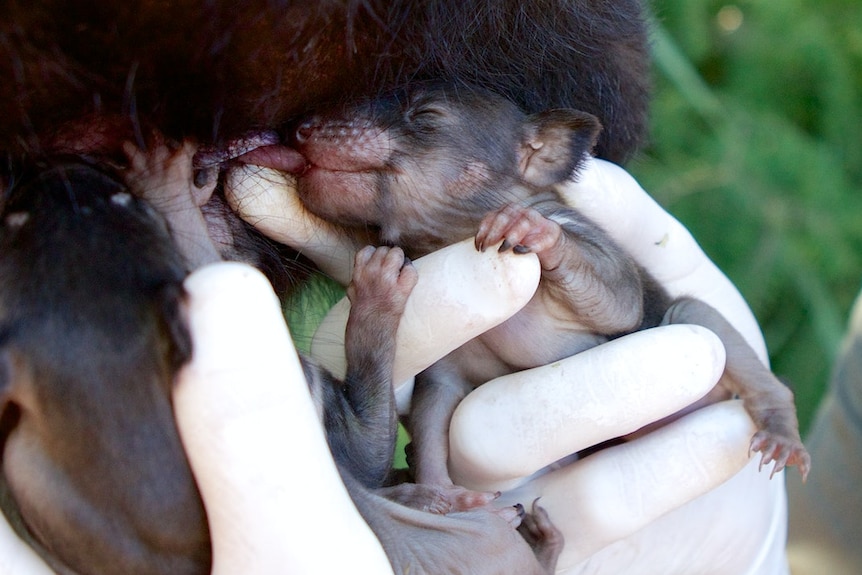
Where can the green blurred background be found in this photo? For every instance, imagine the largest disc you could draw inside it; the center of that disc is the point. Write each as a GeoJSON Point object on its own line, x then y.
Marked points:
{"type": "Point", "coordinates": [756, 146]}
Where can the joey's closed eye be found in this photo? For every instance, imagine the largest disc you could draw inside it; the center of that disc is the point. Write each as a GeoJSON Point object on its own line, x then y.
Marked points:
{"type": "Point", "coordinates": [425, 111]}
{"type": "Point", "coordinates": [425, 117]}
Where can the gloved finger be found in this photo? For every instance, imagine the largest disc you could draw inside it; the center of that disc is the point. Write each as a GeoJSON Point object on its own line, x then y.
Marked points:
{"type": "Point", "coordinates": [614, 493]}
{"type": "Point", "coordinates": [737, 528]}
{"type": "Point", "coordinates": [460, 294]}
{"type": "Point", "coordinates": [612, 197]}
{"type": "Point", "coordinates": [273, 496]}
{"type": "Point", "coordinates": [268, 200]}
{"type": "Point", "coordinates": [16, 556]}
{"type": "Point", "coordinates": [515, 425]}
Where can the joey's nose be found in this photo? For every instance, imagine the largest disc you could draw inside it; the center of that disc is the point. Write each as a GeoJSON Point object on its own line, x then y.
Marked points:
{"type": "Point", "coordinates": [304, 131]}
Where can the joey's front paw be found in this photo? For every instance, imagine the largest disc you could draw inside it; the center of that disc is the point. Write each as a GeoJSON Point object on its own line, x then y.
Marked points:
{"type": "Point", "coordinates": [164, 175]}
{"type": "Point", "coordinates": [383, 278]}
{"type": "Point", "coordinates": [521, 229]}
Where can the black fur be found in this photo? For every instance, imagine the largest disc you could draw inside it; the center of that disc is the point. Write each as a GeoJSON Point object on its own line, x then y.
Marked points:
{"type": "Point", "coordinates": [211, 70]}
{"type": "Point", "coordinates": [90, 294]}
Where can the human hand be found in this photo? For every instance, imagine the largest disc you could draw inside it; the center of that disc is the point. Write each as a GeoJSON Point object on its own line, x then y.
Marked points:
{"type": "Point", "coordinates": [16, 556]}
{"type": "Point", "coordinates": [642, 503]}
{"type": "Point", "coordinates": [613, 507]}
{"type": "Point", "coordinates": [655, 504]}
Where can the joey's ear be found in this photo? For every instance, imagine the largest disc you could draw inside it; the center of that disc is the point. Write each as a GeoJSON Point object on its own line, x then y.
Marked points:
{"type": "Point", "coordinates": [171, 300]}
{"type": "Point", "coordinates": [10, 366]}
{"type": "Point", "coordinates": [555, 144]}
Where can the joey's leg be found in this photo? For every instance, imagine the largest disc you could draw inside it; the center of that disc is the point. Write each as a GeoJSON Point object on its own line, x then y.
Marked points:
{"type": "Point", "coordinates": [362, 425]}
{"type": "Point", "coordinates": [768, 401]}
{"type": "Point", "coordinates": [437, 392]}
{"type": "Point", "coordinates": [586, 277]}
{"type": "Point", "coordinates": [545, 539]}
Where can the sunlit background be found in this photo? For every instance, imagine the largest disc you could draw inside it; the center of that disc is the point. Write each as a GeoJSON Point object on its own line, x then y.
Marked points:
{"type": "Point", "coordinates": [757, 147]}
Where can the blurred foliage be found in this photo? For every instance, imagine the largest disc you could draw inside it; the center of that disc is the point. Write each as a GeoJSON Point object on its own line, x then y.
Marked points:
{"type": "Point", "coordinates": [756, 148]}
{"type": "Point", "coordinates": [306, 308]}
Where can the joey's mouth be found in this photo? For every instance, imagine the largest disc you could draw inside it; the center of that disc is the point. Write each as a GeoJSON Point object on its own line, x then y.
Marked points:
{"type": "Point", "coordinates": [277, 157]}
{"type": "Point", "coordinates": [315, 173]}
{"type": "Point", "coordinates": [347, 180]}
{"type": "Point", "coordinates": [327, 168]}
{"type": "Point", "coordinates": [313, 169]}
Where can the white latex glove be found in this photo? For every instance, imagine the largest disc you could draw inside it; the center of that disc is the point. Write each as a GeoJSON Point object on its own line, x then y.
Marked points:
{"type": "Point", "coordinates": [16, 557]}
{"type": "Point", "coordinates": [238, 403]}
{"type": "Point", "coordinates": [632, 509]}
{"type": "Point", "coordinates": [612, 508]}
{"type": "Point", "coordinates": [679, 500]}
{"type": "Point", "coordinates": [635, 508]}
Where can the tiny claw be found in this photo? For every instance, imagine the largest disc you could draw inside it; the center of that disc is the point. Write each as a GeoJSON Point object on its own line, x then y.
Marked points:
{"type": "Point", "coordinates": [205, 176]}
{"type": "Point", "coordinates": [780, 453]}
{"type": "Point", "coordinates": [520, 509]}
{"type": "Point", "coordinates": [767, 458]}
{"type": "Point", "coordinates": [519, 249]}
{"type": "Point", "coordinates": [505, 246]}
{"type": "Point", "coordinates": [777, 468]}
{"type": "Point", "coordinates": [804, 468]}
{"type": "Point", "coordinates": [480, 245]}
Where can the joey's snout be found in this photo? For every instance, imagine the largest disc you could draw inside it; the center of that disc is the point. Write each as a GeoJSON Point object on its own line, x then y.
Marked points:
{"type": "Point", "coordinates": [305, 130]}
{"type": "Point", "coordinates": [344, 143]}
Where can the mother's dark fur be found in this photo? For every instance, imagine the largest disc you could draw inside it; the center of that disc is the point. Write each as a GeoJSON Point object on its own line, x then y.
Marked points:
{"type": "Point", "coordinates": [211, 70]}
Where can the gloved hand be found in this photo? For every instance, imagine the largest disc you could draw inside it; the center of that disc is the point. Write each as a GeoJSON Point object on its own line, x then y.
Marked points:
{"type": "Point", "coordinates": [680, 499]}
{"type": "Point", "coordinates": [656, 504]}
{"type": "Point", "coordinates": [661, 503]}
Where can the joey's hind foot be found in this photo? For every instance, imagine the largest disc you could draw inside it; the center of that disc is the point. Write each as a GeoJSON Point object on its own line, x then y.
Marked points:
{"type": "Point", "coordinates": [437, 499]}
{"type": "Point", "coordinates": [545, 539]}
{"type": "Point", "coordinates": [781, 450]}
{"type": "Point", "coordinates": [463, 499]}
{"type": "Point", "coordinates": [778, 438]}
